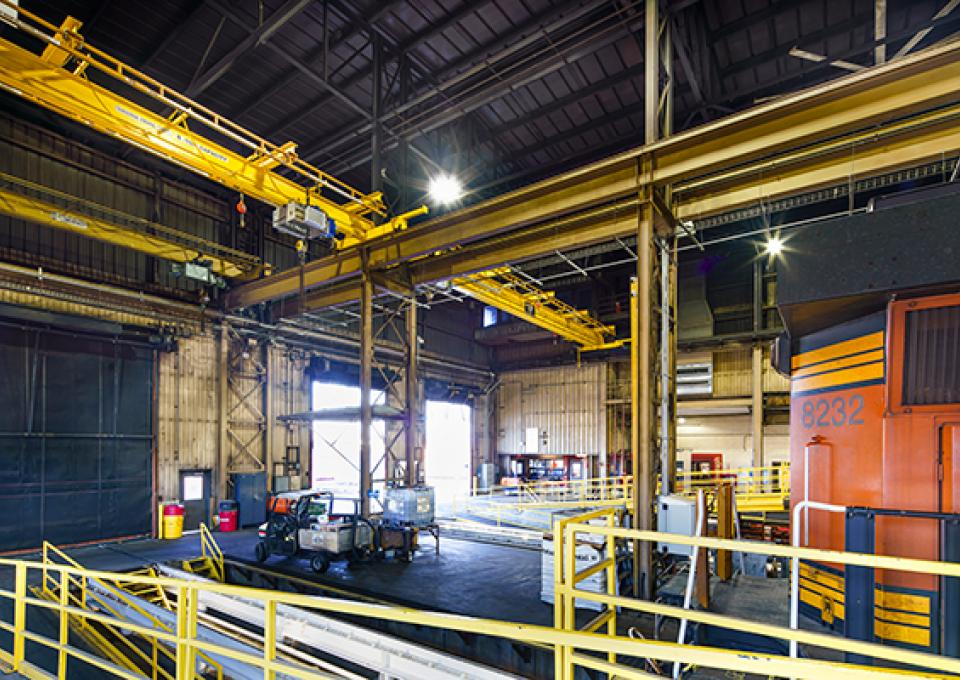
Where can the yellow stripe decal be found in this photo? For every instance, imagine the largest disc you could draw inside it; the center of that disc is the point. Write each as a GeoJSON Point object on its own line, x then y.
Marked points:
{"type": "Point", "coordinates": [829, 366]}
{"type": "Point", "coordinates": [837, 350]}
{"type": "Point", "coordinates": [912, 636]}
{"type": "Point", "coordinates": [911, 625]}
{"type": "Point", "coordinates": [873, 371]}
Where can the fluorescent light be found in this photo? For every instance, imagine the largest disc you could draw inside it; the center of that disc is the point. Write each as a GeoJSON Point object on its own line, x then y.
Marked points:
{"type": "Point", "coordinates": [445, 189]}
{"type": "Point", "coordinates": [774, 246]}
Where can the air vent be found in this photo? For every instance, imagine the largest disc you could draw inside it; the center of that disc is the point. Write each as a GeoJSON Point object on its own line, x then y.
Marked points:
{"type": "Point", "coordinates": [931, 362]}
{"type": "Point", "coordinates": [695, 379]}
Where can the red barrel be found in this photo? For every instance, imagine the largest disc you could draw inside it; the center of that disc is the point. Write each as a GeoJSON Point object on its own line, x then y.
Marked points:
{"type": "Point", "coordinates": [229, 513]}
{"type": "Point", "coordinates": [172, 520]}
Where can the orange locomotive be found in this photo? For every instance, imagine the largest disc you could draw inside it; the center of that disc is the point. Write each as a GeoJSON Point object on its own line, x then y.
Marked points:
{"type": "Point", "coordinates": [874, 367]}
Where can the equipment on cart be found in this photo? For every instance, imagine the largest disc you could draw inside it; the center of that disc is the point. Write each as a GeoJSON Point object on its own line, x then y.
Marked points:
{"type": "Point", "coordinates": [327, 529]}
{"type": "Point", "coordinates": [304, 523]}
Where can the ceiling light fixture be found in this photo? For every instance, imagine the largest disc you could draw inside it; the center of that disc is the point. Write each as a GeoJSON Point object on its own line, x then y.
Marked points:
{"type": "Point", "coordinates": [445, 189]}
{"type": "Point", "coordinates": [773, 246]}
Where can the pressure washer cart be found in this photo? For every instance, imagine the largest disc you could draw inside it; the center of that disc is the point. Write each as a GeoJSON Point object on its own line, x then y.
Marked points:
{"type": "Point", "coordinates": [303, 524]}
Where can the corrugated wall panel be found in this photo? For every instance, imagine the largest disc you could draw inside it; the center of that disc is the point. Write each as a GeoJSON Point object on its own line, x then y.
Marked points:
{"type": "Point", "coordinates": [773, 381]}
{"type": "Point", "coordinates": [732, 372]}
{"type": "Point", "coordinates": [188, 411]}
{"type": "Point", "coordinates": [566, 404]}
{"type": "Point", "coordinates": [290, 393]}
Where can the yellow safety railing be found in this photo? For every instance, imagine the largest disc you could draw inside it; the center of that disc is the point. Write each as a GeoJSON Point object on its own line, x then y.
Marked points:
{"type": "Point", "coordinates": [772, 479]}
{"type": "Point", "coordinates": [590, 648]}
{"type": "Point", "coordinates": [65, 582]}
{"type": "Point", "coordinates": [531, 504]}
{"type": "Point", "coordinates": [567, 577]}
{"type": "Point", "coordinates": [210, 550]}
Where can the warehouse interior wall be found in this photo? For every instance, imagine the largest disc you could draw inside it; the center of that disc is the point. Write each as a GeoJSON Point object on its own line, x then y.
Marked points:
{"type": "Point", "coordinates": [192, 405]}
{"type": "Point", "coordinates": [730, 435]}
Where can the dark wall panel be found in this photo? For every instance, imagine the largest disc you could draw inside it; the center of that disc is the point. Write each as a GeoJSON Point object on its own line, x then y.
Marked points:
{"type": "Point", "coordinates": [76, 439]}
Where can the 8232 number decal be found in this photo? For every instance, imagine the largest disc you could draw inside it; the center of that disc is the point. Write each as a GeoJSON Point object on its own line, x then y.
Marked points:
{"type": "Point", "coordinates": [835, 412]}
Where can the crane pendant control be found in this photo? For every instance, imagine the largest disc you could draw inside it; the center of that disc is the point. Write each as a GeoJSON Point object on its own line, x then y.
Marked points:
{"type": "Point", "coordinates": [305, 222]}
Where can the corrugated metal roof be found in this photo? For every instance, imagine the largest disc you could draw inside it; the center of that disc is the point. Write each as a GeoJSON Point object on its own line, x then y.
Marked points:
{"type": "Point", "coordinates": [518, 88]}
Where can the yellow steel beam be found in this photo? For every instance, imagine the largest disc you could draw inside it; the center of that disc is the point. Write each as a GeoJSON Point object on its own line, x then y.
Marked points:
{"type": "Point", "coordinates": [47, 81]}
{"type": "Point", "coordinates": [501, 289]}
{"type": "Point", "coordinates": [18, 199]}
{"type": "Point", "coordinates": [870, 117]}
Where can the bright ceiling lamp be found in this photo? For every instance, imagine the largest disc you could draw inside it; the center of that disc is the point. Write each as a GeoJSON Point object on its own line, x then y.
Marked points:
{"type": "Point", "coordinates": [445, 189]}
{"type": "Point", "coordinates": [774, 246]}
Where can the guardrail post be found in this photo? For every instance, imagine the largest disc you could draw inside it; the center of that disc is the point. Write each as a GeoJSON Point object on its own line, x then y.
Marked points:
{"type": "Point", "coordinates": [269, 637]}
{"type": "Point", "coordinates": [569, 600]}
{"type": "Point", "coordinates": [859, 582]}
{"type": "Point", "coordinates": [184, 671]}
{"type": "Point", "coordinates": [612, 582]}
{"type": "Point", "coordinates": [19, 614]}
{"type": "Point", "coordinates": [558, 596]}
{"type": "Point", "coordinates": [951, 589]}
{"type": "Point", "coordinates": [64, 625]}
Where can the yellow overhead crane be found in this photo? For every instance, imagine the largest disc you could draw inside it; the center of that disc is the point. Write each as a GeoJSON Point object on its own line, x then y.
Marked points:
{"type": "Point", "coordinates": [58, 80]}
{"type": "Point", "coordinates": [28, 201]}
{"type": "Point", "coordinates": [503, 289]}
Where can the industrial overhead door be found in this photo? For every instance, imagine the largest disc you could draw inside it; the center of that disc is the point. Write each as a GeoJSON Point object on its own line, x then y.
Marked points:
{"type": "Point", "coordinates": [76, 437]}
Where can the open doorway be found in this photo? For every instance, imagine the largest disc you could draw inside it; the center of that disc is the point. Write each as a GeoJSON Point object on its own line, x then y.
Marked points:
{"type": "Point", "coordinates": [335, 456]}
{"type": "Point", "coordinates": [447, 454]}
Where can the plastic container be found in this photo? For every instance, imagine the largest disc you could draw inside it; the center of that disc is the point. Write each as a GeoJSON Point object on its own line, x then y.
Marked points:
{"type": "Point", "coordinates": [172, 520]}
{"type": "Point", "coordinates": [229, 513]}
{"type": "Point", "coordinates": [409, 506]}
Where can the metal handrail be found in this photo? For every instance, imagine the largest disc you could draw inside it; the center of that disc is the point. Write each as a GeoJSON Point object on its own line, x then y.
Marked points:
{"type": "Point", "coordinates": [569, 643]}
{"type": "Point", "coordinates": [210, 550]}
{"type": "Point", "coordinates": [62, 590]}
{"type": "Point", "coordinates": [566, 578]}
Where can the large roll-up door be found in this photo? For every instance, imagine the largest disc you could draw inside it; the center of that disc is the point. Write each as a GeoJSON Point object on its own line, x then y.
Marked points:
{"type": "Point", "coordinates": [76, 437]}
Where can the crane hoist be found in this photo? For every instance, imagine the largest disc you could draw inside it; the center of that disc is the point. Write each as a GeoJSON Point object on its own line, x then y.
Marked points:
{"type": "Point", "coordinates": [308, 203]}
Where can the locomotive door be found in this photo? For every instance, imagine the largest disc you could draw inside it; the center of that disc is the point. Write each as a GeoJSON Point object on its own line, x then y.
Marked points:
{"type": "Point", "coordinates": [950, 539]}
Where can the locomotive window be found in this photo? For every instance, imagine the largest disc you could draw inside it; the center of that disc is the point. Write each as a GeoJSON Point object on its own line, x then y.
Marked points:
{"type": "Point", "coordinates": [931, 362]}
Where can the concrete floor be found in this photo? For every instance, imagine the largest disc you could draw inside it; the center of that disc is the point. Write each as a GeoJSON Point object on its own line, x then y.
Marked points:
{"type": "Point", "coordinates": [474, 579]}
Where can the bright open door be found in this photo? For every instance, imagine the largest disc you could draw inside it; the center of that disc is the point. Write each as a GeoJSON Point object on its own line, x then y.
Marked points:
{"type": "Point", "coordinates": [447, 455]}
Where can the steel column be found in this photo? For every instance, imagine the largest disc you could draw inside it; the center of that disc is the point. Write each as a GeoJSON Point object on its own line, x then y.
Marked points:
{"type": "Point", "coordinates": [756, 409]}
{"type": "Point", "coordinates": [366, 383]}
{"type": "Point", "coordinates": [412, 406]}
{"type": "Point", "coordinates": [376, 178]}
{"type": "Point", "coordinates": [268, 413]}
{"type": "Point", "coordinates": [223, 446]}
{"type": "Point", "coordinates": [668, 364]}
{"type": "Point", "coordinates": [880, 31]}
{"type": "Point", "coordinates": [651, 73]}
{"type": "Point", "coordinates": [642, 393]}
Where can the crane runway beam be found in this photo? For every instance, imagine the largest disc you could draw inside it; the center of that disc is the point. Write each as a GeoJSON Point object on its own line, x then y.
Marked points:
{"type": "Point", "coordinates": [868, 122]}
